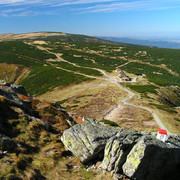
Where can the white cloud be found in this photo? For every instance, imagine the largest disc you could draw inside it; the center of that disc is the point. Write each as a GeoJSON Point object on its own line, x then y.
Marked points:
{"type": "Point", "coordinates": [17, 2]}
{"type": "Point", "coordinates": [130, 5]}
{"type": "Point", "coordinates": [53, 2]}
{"type": "Point", "coordinates": [88, 6]}
{"type": "Point", "coordinates": [81, 2]}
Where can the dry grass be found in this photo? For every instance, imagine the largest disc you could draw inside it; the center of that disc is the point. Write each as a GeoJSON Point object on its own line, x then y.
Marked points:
{"type": "Point", "coordinates": [130, 117]}
{"type": "Point", "coordinates": [91, 99]}
{"type": "Point", "coordinates": [24, 73]}
{"type": "Point", "coordinates": [29, 35]}
{"type": "Point", "coordinates": [169, 121]}
{"type": "Point", "coordinates": [8, 72]}
{"type": "Point", "coordinates": [166, 118]}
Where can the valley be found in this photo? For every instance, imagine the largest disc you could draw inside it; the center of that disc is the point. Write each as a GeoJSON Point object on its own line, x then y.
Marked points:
{"type": "Point", "coordinates": [81, 76]}
{"type": "Point", "coordinates": [55, 83]}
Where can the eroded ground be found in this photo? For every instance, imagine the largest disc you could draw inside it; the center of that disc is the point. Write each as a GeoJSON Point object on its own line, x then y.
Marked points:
{"type": "Point", "coordinates": [96, 98]}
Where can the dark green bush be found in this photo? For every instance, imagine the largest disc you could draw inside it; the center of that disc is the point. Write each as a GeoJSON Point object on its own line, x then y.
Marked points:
{"type": "Point", "coordinates": [111, 123]}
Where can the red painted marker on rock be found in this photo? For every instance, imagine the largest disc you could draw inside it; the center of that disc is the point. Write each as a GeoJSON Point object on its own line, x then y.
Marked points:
{"type": "Point", "coordinates": [162, 134]}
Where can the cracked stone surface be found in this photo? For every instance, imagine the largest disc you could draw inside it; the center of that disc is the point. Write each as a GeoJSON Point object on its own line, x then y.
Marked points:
{"type": "Point", "coordinates": [87, 140]}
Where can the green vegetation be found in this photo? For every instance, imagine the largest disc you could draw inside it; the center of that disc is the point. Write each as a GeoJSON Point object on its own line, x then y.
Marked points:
{"type": "Point", "coordinates": [87, 71]}
{"type": "Point", "coordinates": [75, 101]}
{"type": "Point", "coordinates": [87, 54]}
{"type": "Point", "coordinates": [156, 56]}
{"type": "Point", "coordinates": [17, 52]}
{"type": "Point", "coordinates": [63, 101]}
{"type": "Point", "coordinates": [82, 107]}
{"type": "Point", "coordinates": [71, 107]}
{"type": "Point", "coordinates": [142, 88]}
{"type": "Point", "coordinates": [177, 119]}
{"type": "Point", "coordinates": [45, 78]}
{"type": "Point", "coordinates": [84, 96]}
{"type": "Point", "coordinates": [73, 38]}
{"type": "Point", "coordinates": [111, 123]}
{"type": "Point", "coordinates": [156, 75]}
{"type": "Point", "coordinates": [161, 66]}
{"type": "Point", "coordinates": [109, 56]}
{"type": "Point", "coordinates": [169, 96]}
{"type": "Point", "coordinates": [86, 174]}
{"type": "Point", "coordinates": [164, 108]}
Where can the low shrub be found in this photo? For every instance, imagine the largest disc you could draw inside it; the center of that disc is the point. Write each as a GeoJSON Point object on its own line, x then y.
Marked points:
{"type": "Point", "coordinates": [111, 123]}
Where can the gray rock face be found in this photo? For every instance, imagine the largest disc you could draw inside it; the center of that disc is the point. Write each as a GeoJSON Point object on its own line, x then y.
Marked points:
{"type": "Point", "coordinates": [19, 89]}
{"type": "Point", "coordinates": [153, 159]}
{"type": "Point", "coordinates": [141, 156]}
{"type": "Point", "coordinates": [117, 149]}
{"type": "Point", "coordinates": [7, 143]}
{"type": "Point", "coordinates": [12, 98]}
{"type": "Point", "coordinates": [135, 154]}
{"type": "Point", "coordinates": [87, 140]}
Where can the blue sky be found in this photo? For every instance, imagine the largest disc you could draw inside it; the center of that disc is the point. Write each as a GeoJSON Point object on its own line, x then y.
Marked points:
{"type": "Point", "coordinates": [142, 18]}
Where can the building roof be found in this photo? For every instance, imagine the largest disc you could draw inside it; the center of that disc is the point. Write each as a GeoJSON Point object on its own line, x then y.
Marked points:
{"type": "Point", "coordinates": [122, 74]}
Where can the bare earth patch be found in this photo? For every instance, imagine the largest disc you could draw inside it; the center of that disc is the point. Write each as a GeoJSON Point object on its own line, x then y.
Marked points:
{"type": "Point", "coordinates": [133, 117]}
{"type": "Point", "coordinates": [98, 97]}
{"type": "Point", "coordinates": [93, 99]}
{"type": "Point", "coordinates": [29, 35]}
{"type": "Point", "coordinates": [40, 42]}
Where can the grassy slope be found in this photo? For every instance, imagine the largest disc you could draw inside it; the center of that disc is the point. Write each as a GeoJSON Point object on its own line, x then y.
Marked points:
{"type": "Point", "coordinates": [161, 66]}
{"type": "Point", "coordinates": [41, 154]}
{"type": "Point", "coordinates": [42, 78]}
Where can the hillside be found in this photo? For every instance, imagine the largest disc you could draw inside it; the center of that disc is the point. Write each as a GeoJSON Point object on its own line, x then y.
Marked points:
{"type": "Point", "coordinates": [30, 145]}
{"type": "Point", "coordinates": [51, 36]}
{"type": "Point", "coordinates": [40, 140]}
{"type": "Point", "coordinates": [79, 72]}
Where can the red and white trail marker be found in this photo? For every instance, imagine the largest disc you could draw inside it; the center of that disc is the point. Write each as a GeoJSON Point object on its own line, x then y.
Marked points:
{"type": "Point", "coordinates": [162, 134]}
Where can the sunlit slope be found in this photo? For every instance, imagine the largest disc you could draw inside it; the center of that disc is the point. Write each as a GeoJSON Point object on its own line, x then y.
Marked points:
{"type": "Point", "coordinates": [52, 67]}
{"type": "Point", "coordinates": [161, 66]}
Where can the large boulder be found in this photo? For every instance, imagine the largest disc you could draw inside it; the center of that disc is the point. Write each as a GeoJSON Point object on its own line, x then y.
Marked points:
{"type": "Point", "coordinates": [153, 159]}
{"type": "Point", "coordinates": [140, 156]}
{"type": "Point", "coordinates": [87, 140]}
{"type": "Point", "coordinates": [117, 149]}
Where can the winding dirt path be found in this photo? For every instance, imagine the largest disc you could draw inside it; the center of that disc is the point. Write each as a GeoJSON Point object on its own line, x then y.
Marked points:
{"type": "Point", "coordinates": [124, 102]}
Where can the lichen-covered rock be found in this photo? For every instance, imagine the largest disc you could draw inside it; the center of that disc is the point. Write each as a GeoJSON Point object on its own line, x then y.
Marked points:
{"type": "Point", "coordinates": [87, 140]}
{"type": "Point", "coordinates": [153, 159]}
{"type": "Point", "coordinates": [117, 149]}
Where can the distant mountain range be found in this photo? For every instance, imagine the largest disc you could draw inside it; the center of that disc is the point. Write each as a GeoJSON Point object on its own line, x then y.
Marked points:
{"type": "Point", "coordinates": [173, 44]}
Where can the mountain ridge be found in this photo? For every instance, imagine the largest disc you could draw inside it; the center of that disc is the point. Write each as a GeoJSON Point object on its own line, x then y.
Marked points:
{"type": "Point", "coordinates": [54, 36]}
{"type": "Point", "coordinates": [145, 42]}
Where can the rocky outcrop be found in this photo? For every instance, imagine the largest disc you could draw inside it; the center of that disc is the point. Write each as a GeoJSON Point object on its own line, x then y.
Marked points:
{"type": "Point", "coordinates": [137, 155]}
{"type": "Point", "coordinates": [153, 159]}
{"type": "Point", "coordinates": [117, 149]}
{"type": "Point", "coordinates": [142, 156]}
{"type": "Point", "coordinates": [18, 89]}
{"type": "Point", "coordinates": [30, 130]}
{"type": "Point", "coordinates": [10, 94]}
{"type": "Point", "coordinates": [17, 107]}
{"type": "Point", "coordinates": [87, 140]}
